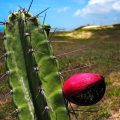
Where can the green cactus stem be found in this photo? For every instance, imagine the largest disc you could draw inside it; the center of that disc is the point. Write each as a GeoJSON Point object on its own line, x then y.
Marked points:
{"type": "Point", "coordinates": [34, 75]}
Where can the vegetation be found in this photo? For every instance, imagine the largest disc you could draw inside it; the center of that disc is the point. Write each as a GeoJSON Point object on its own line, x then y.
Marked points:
{"type": "Point", "coordinates": [32, 69]}
{"type": "Point", "coordinates": [93, 50]}
{"type": "Point", "coordinates": [99, 52]}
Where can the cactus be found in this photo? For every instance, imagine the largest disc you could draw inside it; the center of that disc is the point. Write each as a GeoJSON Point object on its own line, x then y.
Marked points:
{"type": "Point", "coordinates": [33, 70]}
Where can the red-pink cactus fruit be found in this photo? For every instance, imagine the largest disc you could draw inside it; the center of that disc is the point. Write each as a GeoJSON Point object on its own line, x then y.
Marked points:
{"type": "Point", "coordinates": [84, 88]}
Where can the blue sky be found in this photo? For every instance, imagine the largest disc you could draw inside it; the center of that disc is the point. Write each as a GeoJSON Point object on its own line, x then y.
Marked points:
{"type": "Point", "coordinates": [69, 13]}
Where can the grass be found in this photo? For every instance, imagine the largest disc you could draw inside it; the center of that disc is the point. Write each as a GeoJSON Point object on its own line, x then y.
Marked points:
{"type": "Point", "coordinates": [101, 52]}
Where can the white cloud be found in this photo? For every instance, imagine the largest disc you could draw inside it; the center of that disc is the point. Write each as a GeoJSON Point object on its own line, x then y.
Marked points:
{"type": "Point", "coordinates": [116, 6]}
{"type": "Point", "coordinates": [100, 7]}
{"type": "Point", "coordinates": [62, 10]}
{"type": "Point", "coordinates": [77, 13]}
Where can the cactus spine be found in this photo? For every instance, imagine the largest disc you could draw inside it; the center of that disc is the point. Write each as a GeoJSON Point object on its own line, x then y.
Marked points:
{"type": "Point", "coordinates": [34, 76]}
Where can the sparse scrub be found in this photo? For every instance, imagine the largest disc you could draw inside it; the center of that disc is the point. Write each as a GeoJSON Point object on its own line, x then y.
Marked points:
{"type": "Point", "coordinates": [102, 50]}
{"type": "Point", "coordinates": [104, 53]}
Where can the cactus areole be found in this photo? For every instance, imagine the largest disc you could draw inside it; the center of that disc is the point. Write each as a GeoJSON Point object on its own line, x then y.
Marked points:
{"type": "Point", "coordinates": [84, 88]}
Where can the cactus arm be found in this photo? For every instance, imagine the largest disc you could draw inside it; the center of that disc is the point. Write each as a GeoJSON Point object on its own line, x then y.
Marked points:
{"type": "Point", "coordinates": [18, 79]}
{"type": "Point", "coordinates": [34, 82]}
{"type": "Point", "coordinates": [49, 74]}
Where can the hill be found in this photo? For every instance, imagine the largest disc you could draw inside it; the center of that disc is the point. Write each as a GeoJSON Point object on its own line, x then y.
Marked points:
{"type": "Point", "coordinates": [86, 32]}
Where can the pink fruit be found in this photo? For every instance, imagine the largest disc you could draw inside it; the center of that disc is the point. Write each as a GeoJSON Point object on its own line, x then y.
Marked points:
{"type": "Point", "coordinates": [84, 88]}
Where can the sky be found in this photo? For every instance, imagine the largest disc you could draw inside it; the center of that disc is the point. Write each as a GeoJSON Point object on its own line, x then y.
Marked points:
{"type": "Point", "coordinates": [68, 14]}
